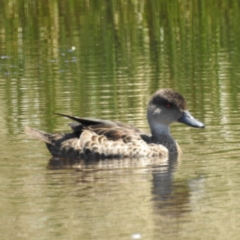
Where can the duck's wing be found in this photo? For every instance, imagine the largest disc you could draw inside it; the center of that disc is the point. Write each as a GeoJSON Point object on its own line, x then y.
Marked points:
{"type": "Point", "coordinates": [112, 130]}
{"type": "Point", "coordinates": [85, 121]}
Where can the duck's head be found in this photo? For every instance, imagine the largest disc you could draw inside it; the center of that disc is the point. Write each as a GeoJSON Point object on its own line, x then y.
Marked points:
{"type": "Point", "coordinates": [167, 106]}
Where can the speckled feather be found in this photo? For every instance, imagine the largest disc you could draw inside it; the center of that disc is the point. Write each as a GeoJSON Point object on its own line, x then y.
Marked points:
{"type": "Point", "coordinates": [99, 144]}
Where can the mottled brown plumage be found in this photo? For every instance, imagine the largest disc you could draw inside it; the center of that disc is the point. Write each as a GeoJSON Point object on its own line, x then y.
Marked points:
{"type": "Point", "coordinates": [96, 138]}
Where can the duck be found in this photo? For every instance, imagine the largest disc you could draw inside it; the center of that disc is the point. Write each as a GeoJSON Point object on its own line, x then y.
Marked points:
{"type": "Point", "coordinates": [98, 139]}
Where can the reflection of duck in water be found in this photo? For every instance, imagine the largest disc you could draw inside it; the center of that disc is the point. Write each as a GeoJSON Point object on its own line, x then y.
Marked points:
{"type": "Point", "coordinates": [95, 138]}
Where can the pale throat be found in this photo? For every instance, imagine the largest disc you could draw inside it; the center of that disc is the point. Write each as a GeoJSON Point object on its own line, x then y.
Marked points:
{"type": "Point", "coordinates": [159, 129]}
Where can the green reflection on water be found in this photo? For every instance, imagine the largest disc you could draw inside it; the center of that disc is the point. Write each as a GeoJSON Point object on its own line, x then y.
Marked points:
{"type": "Point", "coordinates": [71, 52]}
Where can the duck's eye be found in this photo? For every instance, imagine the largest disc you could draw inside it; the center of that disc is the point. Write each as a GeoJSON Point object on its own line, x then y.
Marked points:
{"type": "Point", "coordinates": [169, 105]}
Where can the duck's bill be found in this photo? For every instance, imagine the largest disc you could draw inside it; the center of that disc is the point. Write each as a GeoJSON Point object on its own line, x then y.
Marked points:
{"type": "Point", "coordinates": [188, 119]}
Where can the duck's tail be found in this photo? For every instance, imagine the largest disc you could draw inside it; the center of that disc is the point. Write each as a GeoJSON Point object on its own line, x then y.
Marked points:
{"type": "Point", "coordinates": [38, 134]}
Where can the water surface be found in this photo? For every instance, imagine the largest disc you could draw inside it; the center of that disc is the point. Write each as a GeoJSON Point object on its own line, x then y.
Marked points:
{"type": "Point", "coordinates": [104, 60]}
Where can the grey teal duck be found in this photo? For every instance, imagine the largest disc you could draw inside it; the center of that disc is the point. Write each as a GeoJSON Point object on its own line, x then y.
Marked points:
{"type": "Point", "coordinates": [98, 139]}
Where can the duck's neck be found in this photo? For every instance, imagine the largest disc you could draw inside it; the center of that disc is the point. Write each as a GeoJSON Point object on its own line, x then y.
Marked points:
{"type": "Point", "coordinates": [159, 130]}
{"type": "Point", "coordinates": [161, 135]}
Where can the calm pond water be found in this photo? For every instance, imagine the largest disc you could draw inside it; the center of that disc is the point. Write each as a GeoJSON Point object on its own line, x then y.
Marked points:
{"type": "Point", "coordinates": [104, 60]}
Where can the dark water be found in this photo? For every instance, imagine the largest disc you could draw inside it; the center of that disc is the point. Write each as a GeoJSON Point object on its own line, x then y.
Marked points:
{"type": "Point", "coordinates": [104, 60]}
